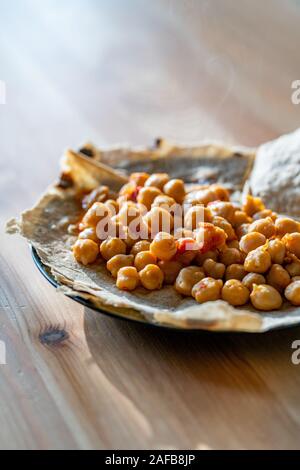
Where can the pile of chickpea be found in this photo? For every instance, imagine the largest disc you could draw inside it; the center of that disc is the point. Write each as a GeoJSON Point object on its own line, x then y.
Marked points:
{"type": "Point", "coordinates": [247, 252]}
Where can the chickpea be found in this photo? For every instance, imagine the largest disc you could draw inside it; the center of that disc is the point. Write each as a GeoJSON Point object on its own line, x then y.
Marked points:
{"type": "Point", "coordinates": [143, 258]}
{"type": "Point", "coordinates": [240, 217]}
{"type": "Point", "coordinates": [235, 271]}
{"type": "Point", "coordinates": [112, 206]}
{"type": "Point", "coordinates": [175, 189]}
{"type": "Point", "coordinates": [235, 292]}
{"type": "Point", "coordinates": [147, 195]}
{"type": "Point", "coordinates": [163, 201]}
{"type": "Point", "coordinates": [293, 268]}
{"type": "Point", "coordinates": [230, 256]}
{"type": "Point", "coordinates": [285, 225]}
{"type": "Point", "coordinates": [221, 192]}
{"type": "Point", "coordinates": [158, 180]}
{"type": "Point", "coordinates": [209, 237]}
{"type": "Point", "coordinates": [226, 226]}
{"type": "Point", "coordinates": [141, 245]}
{"type": "Point", "coordinates": [170, 270]}
{"type": "Point", "coordinates": [187, 278]}
{"type": "Point", "coordinates": [163, 246]}
{"type": "Point", "coordinates": [278, 277]}
{"type": "Point", "coordinates": [85, 251]}
{"type": "Point", "coordinates": [242, 230]}
{"type": "Point", "coordinates": [151, 277]}
{"type": "Point", "coordinates": [222, 209]}
{"type": "Point", "coordinates": [95, 214]}
{"type": "Point", "coordinates": [89, 233]}
{"type": "Point", "coordinates": [139, 178]}
{"type": "Point", "coordinates": [265, 297]}
{"type": "Point", "coordinates": [253, 205]}
{"type": "Point", "coordinates": [187, 249]}
{"type": "Point", "coordinates": [292, 243]}
{"type": "Point", "coordinates": [112, 246]}
{"type": "Point", "coordinates": [117, 262]}
{"type": "Point", "coordinates": [265, 213]}
{"type": "Point", "coordinates": [292, 292]}
{"type": "Point", "coordinates": [129, 191]}
{"type": "Point", "coordinates": [213, 269]}
{"type": "Point", "coordinates": [201, 257]}
{"type": "Point", "coordinates": [207, 289]}
{"type": "Point", "coordinates": [159, 220]}
{"type": "Point", "coordinates": [253, 278]}
{"type": "Point", "coordinates": [127, 278]}
{"type": "Point", "coordinates": [258, 260]}
{"type": "Point", "coordinates": [252, 240]}
{"type": "Point", "coordinates": [277, 251]}
{"type": "Point", "coordinates": [265, 226]}
{"type": "Point", "coordinates": [202, 196]}
{"type": "Point", "coordinates": [99, 194]}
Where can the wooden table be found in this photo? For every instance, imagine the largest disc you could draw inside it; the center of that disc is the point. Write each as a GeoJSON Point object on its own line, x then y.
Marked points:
{"type": "Point", "coordinates": [116, 71]}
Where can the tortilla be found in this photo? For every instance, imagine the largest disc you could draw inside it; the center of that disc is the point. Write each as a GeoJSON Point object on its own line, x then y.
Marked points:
{"type": "Point", "coordinates": [45, 226]}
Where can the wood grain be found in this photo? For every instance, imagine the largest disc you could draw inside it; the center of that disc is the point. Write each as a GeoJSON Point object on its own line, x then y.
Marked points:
{"type": "Point", "coordinates": [127, 72]}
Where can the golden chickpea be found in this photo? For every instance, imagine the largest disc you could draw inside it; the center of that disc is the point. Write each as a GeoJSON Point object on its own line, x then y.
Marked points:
{"type": "Point", "coordinates": [278, 277]}
{"type": "Point", "coordinates": [95, 214]}
{"type": "Point", "coordinates": [292, 292]}
{"type": "Point", "coordinates": [230, 256]}
{"type": "Point", "coordinates": [201, 257]}
{"type": "Point", "coordinates": [258, 260]}
{"type": "Point", "coordinates": [128, 192]}
{"type": "Point", "coordinates": [221, 192]}
{"type": "Point", "coordinates": [163, 246]}
{"type": "Point", "coordinates": [265, 297]}
{"type": "Point", "coordinates": [252, 240]}
{"type": "Point", "coordinates": [253, 278]}
{"type": "Point", "coordinates": [202, 196]}
{"type": "Point", "coordinates": [163, 201]}
{"type": "Point", "coordinates": [187, 278]}
{"type": "Point", "coordinates": [175, 189]}
{"type": "Point", "coordinates": [141, 245]}
{"type": "Point", "coordinates": [293, 268]}
{"type": "Point", "coordinates": [89, 233]}
{"type": "Point", "coordinates": [139, 178]}
{"type": "Point", "coordinates": [252, 205]}
{"type": "Point", "coordinates": [242, 230]}
{"type": "Point", "coordinates": [151, 277]}
{"type": "Point", "coordinates": [158, 220]}
{"type": "Point", "coordinates": [209, 237]}
{"type": "Point", "coordinates": [285, 225]}
{"type": "Point", "coordinates": [143, 258]}
{"type": "Point", "coordinates": [170, 270]}
{"type": "Point", "coordinates": [85, 251]}
{"type": "Point", "coordinates": [213, 269]}
{"type": "Point", "coordinates": [147, 195]}
{"type": "Point", "coordinates": [112, 206]}
{"type": "Point", "coordinates": [127, 278]}
{"type": "Point", "coordinates": [112, 246]}
{"type": "Point", "coordinates": [117, 262]}
{"type": "Point", "coordinates": [226, 226]}
{"type": "Point", "coordinates": [99, 194]}
{"type": "Point", "coordinates": [235, 293]}
{"type": "Point", "coordinates": [240, 217]}
{"type": "Point", "coordinates": [265, 213]}
{"type": "Point", "coordinates": [207, 289]}
{"type": "Point", "coordinates": [265, 226]}
{"type": "Point", "coordinates": [292, 243]}
{"type": "Point", "coordinates": [235, 271]}
{"type": "Point", "coordinates": [222, 209]}
{"type": "Point", "coordinates": [195, 215]}
{"type": "Point", "coordinates": [277, 251]}
{"type": "Point", "coordinates": [158, 180]}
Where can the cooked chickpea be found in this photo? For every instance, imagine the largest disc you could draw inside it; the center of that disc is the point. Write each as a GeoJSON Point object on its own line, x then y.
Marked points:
{"type": "Point", "coordinates": [151, 277]}
{"type": "Point", "coordinates": [292, 292]}
{"type": "Point", "coordinates": [158, 180]}
{"type": "Point", "coordinates": [175, 189]}
{"type": "Point", "coordinates": [258, 260]}
{"type": "Point", "coordinates": [226, 226]}
{"type": "Point", "coordinates": [209, 237]}
{"type": "Point", "coordinates": [112, 246]}
{"type": "Point", "coordinates": [201, 257]}
{"type": "Point", "coordinates": [292, 243]}
{"type": "Point", "coordinates": [85, 251]}
{"type": "Point", "coordinates": [235, 271]}
{"type": "Point", "coordinates": [293, 268]}
{"type": "Point", "coordinates": [240, 217]}
{"type": "Point", "coordinates": [278, 277]}
{"type": "Point", "coordinates": [89, 233]}
{"type": "Point", "coordinates": [95, 214]}
{"type": "Point", "coordinates": [213, 269]}
{"type": "Point", "coordinates": [252, 240]}
{"type": "Point", "coordinates": [163, 201]}
{"type": "Point", "coordinates": [252, 205]}
{"type": "Point", "coordinates": [143, 258]}
{"type": "Point", "coordinates": [230, 256]}
{"type": "Point", "coordinates": [139, 178]}
{"type": "Point", "coordinates": [117, 262]}
{"type": "Point", "coordinates": [207, 289]}
{"type": "Point", "coordinates": [187, 278]}
{"type": "Point", "coordinates": [158, 220]}
{"type": "Point", "coordinates": [128, 192]}
{"type": "Point", "coordinates": [170, 270]}
{"type": "Point", "coordinates": [147, 195]}
{"type": "Point", "coordinates": [127, 278]}
{"type": "Point", "coordinates": [99, 194]}
{"type": "Point", "coordinates": [202, 196]}
{"type": "Point", "coordinates": [187, 249]}
{"type": "Point", "coordinates": [221, 192]}
{"type": "Point", "coordinates": [265, 297]}
{"type": "Point", "coordinates": [235, 292]}
{"type": "Point", "coordinates": [277, 251]}
{"type": "Point", "coordinates": [265, 213]}
{"type": "Point", "coordinates": [163, 246]}
{"type": "Point", "coordinates": [253, 278]}
{"type": "Point", "coordinates": [222, 209]}
{"type": "Point", "coordinates": [285, 225]}
{"type": "Point", "coordinates": [141, 245]}
{"type": "Point", "coordinates": [265, 226]}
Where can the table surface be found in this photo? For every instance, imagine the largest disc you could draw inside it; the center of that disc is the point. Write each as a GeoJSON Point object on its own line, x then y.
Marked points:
{"type": "Point", "coordinates": [129, 71]}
